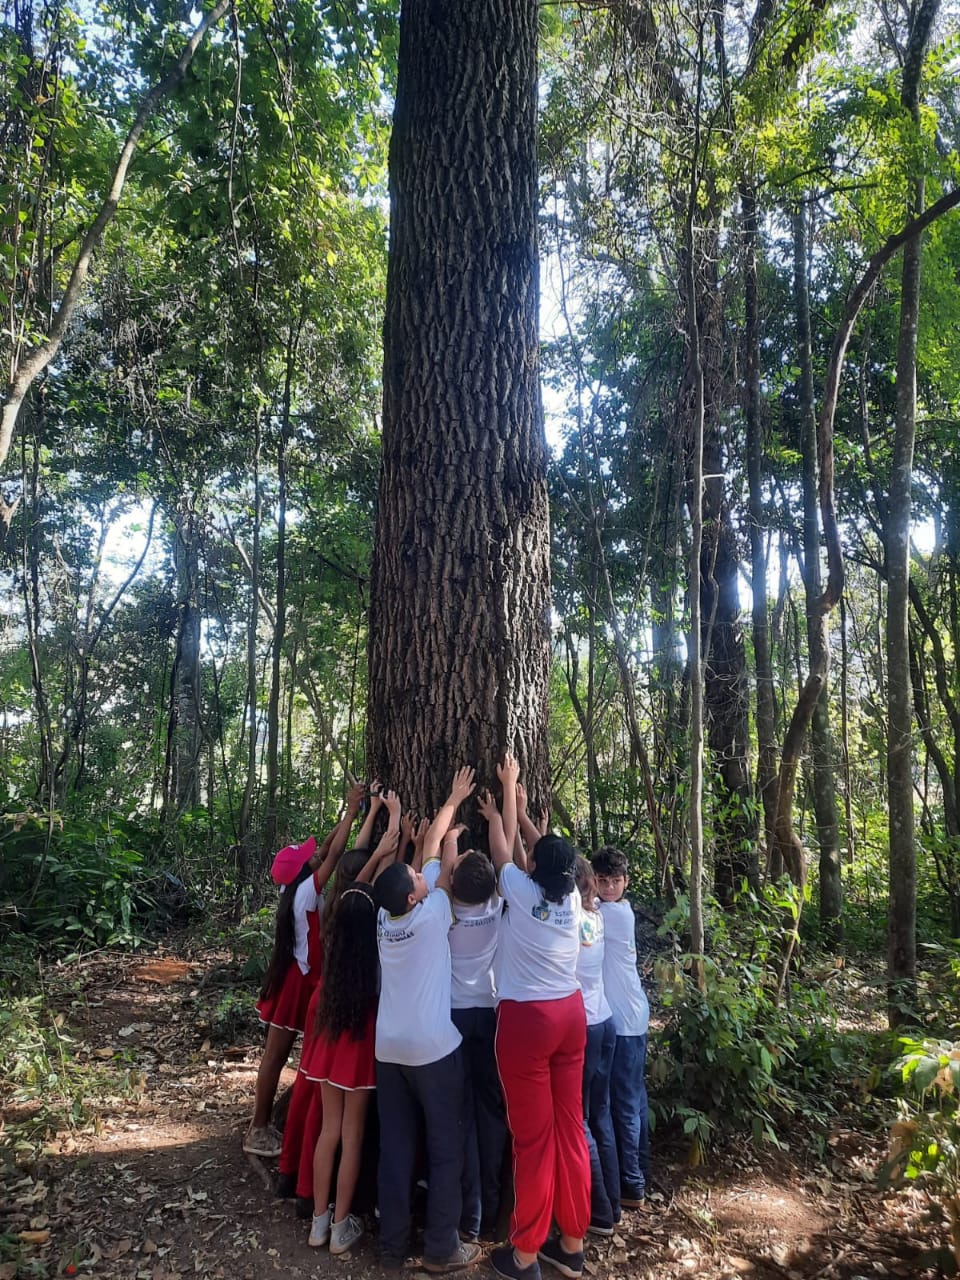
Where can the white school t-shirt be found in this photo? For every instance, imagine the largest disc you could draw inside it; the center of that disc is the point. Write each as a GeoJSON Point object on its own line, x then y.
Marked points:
{"type": "Point", "coordinates": [539, 941]}
{"type": "Point", "coordinates": [473, 945]}
{"type": "Point", "coordinates": [413, 1018]}
{"type": "Point", "coordinates": [306, 899]}
{"type": "Point", "coordinates": [621, 981]}
{"type": "Point", "coordinates": [590, 967]}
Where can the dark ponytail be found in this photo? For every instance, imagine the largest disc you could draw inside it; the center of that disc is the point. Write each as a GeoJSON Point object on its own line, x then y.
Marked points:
{"type": "Point", "coordinates": [554, 868]}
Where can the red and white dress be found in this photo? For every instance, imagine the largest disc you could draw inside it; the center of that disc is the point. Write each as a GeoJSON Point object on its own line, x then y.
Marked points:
{"type": "Point", "coordinates": [345, 1062]}
{"type": "Point", "coordinates": [287, 1007]}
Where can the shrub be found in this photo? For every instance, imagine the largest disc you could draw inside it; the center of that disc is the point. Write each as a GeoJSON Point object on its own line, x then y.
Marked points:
{"type": "Point", "coordinates": [925, 1140]}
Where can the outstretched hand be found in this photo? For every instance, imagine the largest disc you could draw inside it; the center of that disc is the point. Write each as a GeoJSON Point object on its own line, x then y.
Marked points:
{"type": "Point", "coordinates": [487, 806]}
{"type": "Point", "coordinates": [508, 771]}
{"type": "Point", "coordinates": [463, 785]}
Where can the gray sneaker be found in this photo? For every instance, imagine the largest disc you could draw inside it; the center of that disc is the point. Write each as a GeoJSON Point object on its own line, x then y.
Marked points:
{"type": "Point", "coordinates": [345, 1233]}
{"type": "Point", "coordinates": [320, 1229]}
{"type": "Point", "coordinates": [465, 1255]}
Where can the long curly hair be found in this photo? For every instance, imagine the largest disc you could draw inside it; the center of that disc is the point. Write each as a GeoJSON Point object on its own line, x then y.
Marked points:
{"type": "Point", "coordinates": [351, 966]}
{"type": "Point", "coordinates": [285, 936]}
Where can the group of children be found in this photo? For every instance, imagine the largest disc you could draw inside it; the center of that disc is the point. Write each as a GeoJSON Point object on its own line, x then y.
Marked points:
{"type": "Point", "coordinates": [491, 1001]}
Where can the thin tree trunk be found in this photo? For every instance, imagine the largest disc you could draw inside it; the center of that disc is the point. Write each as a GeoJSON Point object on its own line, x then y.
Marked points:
{"type": "Point", "coordinates": [41, 355]}
{"type": "Point", "coordinates": [766, 711]}
{"type": "Point", "coordinates": [824, 791]}
{"type": "Point", "coordinates": [902, 909]}
{"type": "Point", "coordinates": [271, 822]}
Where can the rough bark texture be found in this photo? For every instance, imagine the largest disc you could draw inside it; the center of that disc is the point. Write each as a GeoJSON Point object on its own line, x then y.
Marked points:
{"type": "Point", "coordinates": [824, 790]}
{"type": "Point", "coordinates": [459, 620]}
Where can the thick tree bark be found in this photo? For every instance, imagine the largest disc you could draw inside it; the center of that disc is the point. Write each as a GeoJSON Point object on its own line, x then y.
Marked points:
{"type": "Point", "coordinates": [824, 790]}
{"type": "Point", "coordinates": [459, 616]}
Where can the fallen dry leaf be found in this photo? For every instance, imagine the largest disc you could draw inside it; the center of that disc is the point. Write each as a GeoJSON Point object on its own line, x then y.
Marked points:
{"type": "Point", "coordinates": [33, 1237]}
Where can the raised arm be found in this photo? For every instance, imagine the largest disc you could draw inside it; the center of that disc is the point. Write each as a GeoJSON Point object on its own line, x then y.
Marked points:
{"type": "Point", "coordinates": [527, 827]}
{"type": "Point", "coordinates": [508, 771]}
{"type": "Point", "coordinates": [386, 849]}
{"type": "Point", "coordinates": [461, 787]}
{"type": "Point", "coordinates": [499, 849]}
{"type": "Point", "coordinates": [335, 843]}
{"type": "Point", "coordinates": [449, 857]}
{"type": "Point", "coordinates": [419, 836]}
{"type": "Point", "coordinates": [365, 834]}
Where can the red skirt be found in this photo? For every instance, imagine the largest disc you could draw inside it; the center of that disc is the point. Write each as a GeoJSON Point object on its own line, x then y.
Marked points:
{"type": "Point", "coordinates": [287, 1008]}
{"type": "Point", "coordinates": [344, 1062]}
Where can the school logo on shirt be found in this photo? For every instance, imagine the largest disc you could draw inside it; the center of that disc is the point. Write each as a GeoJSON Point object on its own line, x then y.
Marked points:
{"type": "Point", "coordinates": [542, 910]}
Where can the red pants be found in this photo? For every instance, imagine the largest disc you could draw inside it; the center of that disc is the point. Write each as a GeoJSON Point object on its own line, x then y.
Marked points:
{"type": "Point", "coordinates": [540, 1047]}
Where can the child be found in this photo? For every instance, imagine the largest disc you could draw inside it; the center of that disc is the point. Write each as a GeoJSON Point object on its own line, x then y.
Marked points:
{"type": "Point", "coordinates": [477, 909]}
{"type": "Point", "coordinates": [597, 1062]}
{"type": "Point", "coordinates": [419, 1060]}
{"type": "Point", "coordinates": [304, 1118]}
{"type": "Point", "coordinates": [294, 968]}
{"type": "Point", "coordinates": [541, 1032]}
{"type": "Point", "coordinates": [340, 1060]}
{"type": "Point", "coordinates": [631, 1015]}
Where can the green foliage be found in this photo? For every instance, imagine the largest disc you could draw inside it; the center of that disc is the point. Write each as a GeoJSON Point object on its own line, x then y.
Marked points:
{"type": "Point", "coordinates": [76, 883]}
{"type": "Point", "coordinates": [925, 1140]}
{"type": "Point", "coordinates": [732, 1057]}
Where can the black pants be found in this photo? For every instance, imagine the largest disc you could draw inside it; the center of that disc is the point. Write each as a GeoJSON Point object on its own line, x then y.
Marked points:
{"type": "Point", "coordinates": [434, 1091]}
{"type": "Point", "coordinates": [484, 1122]}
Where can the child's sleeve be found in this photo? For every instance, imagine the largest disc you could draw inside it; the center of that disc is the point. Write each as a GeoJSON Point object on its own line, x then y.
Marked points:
{"type": "Point", "coordinates": [431, 873]}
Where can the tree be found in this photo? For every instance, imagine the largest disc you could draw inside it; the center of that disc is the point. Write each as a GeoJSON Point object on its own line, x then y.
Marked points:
{"type": "Point", "coordinates": [459, 614]}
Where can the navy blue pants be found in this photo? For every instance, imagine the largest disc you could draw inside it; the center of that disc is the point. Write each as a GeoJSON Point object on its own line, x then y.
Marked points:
{"type": "Point", "coordinates": [598, 1124]}
{"type": "Point", "coordinates": [435, 1092]}
{"type": "Point", "coordinates": [631, 1121]}
{"type": "Point", "coordinates": [484, 1121]}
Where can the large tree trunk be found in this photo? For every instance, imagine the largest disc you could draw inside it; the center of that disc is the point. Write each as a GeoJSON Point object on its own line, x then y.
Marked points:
{"type": "Point", "coordinates": [902, 908]}
{"type": "Point", "coordinates": [824, 791]}
{"type": "Point", "coordinates": [459, 617]}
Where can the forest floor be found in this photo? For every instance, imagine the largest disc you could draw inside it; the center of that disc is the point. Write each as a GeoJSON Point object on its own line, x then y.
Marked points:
{"type": "Point", "coordinates": [149, 1180]}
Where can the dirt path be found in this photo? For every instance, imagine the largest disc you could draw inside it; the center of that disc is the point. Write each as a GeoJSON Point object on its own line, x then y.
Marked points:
{"type": "Point", "coordinates": [154, 1185]}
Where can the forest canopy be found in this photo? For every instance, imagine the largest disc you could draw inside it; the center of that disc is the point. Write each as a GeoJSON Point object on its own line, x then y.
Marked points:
{"type": "Point", "coordinates": [189, 479]}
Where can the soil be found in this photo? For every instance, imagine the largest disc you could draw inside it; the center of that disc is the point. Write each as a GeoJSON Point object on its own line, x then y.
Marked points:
{"type": "Point", "coordinates": [149, 1180]}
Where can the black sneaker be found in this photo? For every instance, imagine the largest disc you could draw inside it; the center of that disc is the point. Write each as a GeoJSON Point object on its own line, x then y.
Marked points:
{"type": "Point", "coordinates": [504, 1263]}
{"type": "Point", "coordinates": [286, 1186]}
{"type": "Point", "coordinates": [600, 1228]}
{"type": "Point", "coordinates": [568, 1264]}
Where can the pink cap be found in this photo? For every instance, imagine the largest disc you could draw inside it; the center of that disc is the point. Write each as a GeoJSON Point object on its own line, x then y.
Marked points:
{"type": "Point", "coordinates": [287, 863]}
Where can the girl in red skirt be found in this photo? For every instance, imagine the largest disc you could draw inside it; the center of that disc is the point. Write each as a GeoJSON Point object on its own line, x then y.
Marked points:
{"type": "Point", "coordinates": [305, 1115]}
{"type": "Point", "coordinates": [294, 970]}
{"type": "Point", "coordinates": [340, 1060]}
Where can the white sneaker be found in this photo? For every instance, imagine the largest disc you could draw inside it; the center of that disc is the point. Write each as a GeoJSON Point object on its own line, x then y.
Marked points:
{"type": "Point", "coordinates": [345, 1234]}
{"type": "Point", "coordinates": [263, 1142]}
{"type": "Point", "coordinates": [320, 1229]}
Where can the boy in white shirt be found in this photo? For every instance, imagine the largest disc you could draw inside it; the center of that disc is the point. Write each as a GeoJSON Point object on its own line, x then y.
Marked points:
{"type": "Point", "coordinates": [631, 1014]}
{"type": "Point", "coordinates": [477, 910]}
{"type": "Point", "coordinates": [418, 1055]}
